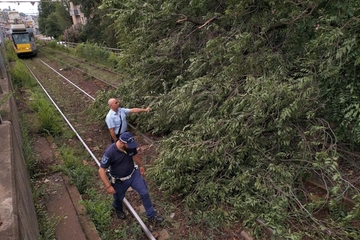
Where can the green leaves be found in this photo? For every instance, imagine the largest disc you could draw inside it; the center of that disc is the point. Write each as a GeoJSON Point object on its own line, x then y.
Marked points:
{"type": "Point", "coordinates": [54, 18]}
{"type": "Point", "coordinates": [252, 102]}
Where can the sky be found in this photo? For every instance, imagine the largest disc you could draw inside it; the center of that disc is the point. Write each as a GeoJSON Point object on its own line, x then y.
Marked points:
{"type": "Point", "coordinates": [25, 7]}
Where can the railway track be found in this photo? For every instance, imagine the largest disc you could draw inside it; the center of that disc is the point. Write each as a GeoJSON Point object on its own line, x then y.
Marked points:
{"type": "Point", "coordinates": [66, 95]}
{"type": "Point", "coordinates": [102, 74]}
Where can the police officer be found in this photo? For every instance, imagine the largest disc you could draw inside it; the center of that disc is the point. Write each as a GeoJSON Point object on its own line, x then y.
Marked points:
{"type": "Point", "coordinates": [116, 118]}
{"type": "Point", "coordinates": [119, 158]}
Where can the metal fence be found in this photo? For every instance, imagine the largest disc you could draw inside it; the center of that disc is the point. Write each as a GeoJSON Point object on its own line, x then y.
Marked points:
{"type": "Point", "coordinates": [74, 45]}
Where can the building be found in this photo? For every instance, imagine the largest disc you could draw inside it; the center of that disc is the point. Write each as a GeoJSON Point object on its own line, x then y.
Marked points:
{"type": "Point", "coordinates": [78, 17]}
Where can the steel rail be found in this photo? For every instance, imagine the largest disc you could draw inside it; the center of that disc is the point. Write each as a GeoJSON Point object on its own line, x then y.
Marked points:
{"type": "Point", "coordinates": [102, 67]}
{"type": "Point", "coordinates": [126, 202]}
{"type": "Point", "coordinates": [112, 85]}
{"type": "Point", "coordinates": [132, 126]}
{"type": "Point", "coordinates": [92, 98]}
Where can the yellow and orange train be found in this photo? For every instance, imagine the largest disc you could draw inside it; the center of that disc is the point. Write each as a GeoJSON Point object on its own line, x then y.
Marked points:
{"type": "Point", "coordinates": [23, 40]}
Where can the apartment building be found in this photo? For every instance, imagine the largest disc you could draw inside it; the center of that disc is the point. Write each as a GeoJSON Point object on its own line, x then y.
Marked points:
{"type": "Point", "coordinates": [78, 17]}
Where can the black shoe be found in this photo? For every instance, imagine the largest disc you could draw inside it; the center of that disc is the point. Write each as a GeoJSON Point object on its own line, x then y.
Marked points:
{"type": "Point", "coordinates": [156, 219]}
{"type": "Point", "coordinates": [120, 214]}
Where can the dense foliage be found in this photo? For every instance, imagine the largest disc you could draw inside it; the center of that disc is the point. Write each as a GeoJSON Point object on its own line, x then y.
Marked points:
{"type": "Point", "coordinates": [99, 28]}
{"type": "Point", "coordinates": [54, 17]}
{"type": "Point", "coordinates": [254, 97]}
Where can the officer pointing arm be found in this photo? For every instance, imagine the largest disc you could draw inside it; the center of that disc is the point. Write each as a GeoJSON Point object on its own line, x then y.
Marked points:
{"type": "Point", "coordinates": [116, 118]}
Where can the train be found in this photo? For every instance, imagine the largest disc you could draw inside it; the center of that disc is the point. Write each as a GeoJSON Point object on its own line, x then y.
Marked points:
{"type": "Point", "coordinates": [23, 40]}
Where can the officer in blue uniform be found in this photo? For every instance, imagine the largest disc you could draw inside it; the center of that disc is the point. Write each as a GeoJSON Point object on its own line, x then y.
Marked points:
{"type": "Point", "coordinates": [118, 172]}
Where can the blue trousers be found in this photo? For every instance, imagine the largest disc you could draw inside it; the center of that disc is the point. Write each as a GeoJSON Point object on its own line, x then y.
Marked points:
{"type": "Point", "coordinates": [138, 183]}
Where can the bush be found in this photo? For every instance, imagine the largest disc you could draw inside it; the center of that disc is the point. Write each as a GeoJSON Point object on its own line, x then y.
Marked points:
{"type": "Point", "coordinates": [10, 52]}
{"type": "Point", "coordinates": [20, 75]}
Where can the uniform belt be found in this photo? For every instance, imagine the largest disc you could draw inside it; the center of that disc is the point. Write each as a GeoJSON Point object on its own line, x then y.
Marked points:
{"type": "Point", "coordinates": [127, 177]}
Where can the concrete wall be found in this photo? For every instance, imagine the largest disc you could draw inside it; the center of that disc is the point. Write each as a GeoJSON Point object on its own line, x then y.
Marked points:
{"type": "Point", "coordinates": [17, 212]}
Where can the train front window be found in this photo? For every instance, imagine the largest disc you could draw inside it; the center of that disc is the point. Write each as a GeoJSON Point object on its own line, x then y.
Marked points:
{"type": "Point", "coordinates": [21, 38]}
{"type": "Point", "coordinates": [32, 37]}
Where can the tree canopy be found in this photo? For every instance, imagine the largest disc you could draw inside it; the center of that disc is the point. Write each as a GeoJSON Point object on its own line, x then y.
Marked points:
{"type": "Point", "coordinates": [252, 96]}
{"type": "Point", "coordinates": [54, 17]}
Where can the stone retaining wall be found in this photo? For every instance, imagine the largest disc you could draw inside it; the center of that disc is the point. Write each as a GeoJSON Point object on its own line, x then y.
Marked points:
{"type": "Point", "coordinates": [17, 212]}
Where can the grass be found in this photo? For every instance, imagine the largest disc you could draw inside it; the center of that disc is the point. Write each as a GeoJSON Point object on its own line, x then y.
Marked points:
{"type": "Point", "coordinates": [49, 119]}
{"type": "Point", "coordinates": [46, 223]}
{"type": "Point", "coordinates": [99, 210]}
{"type": "Point", "coordinates": [74, 168]}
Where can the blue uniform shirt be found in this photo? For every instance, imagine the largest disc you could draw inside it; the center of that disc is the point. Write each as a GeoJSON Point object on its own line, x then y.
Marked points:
{"type": "Point", "coordinates": [113, 119]}
{"type": "Point", "coordinates": [121, 164]}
